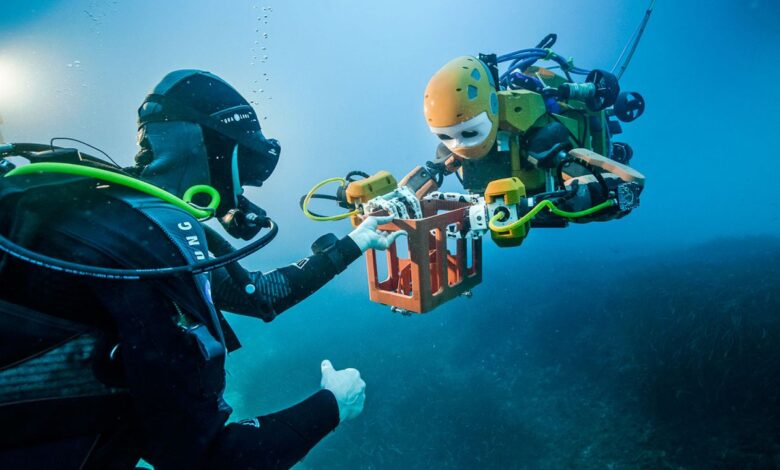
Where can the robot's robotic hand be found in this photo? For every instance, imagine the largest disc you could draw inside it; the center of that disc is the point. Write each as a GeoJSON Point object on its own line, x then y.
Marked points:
{"type": "Point", "coordinates": [627, 196]}
{"type": "Point", "coordinates": [402, 203]}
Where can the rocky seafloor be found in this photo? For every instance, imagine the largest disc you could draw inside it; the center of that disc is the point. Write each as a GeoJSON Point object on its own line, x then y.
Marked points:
{"type": "Point", "coordinates": [670, 361]}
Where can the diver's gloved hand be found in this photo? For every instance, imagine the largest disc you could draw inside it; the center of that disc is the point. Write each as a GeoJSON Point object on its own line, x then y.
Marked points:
{"type": "Point", "coordinates": [367, 236]}
{"type": "Point", "coordinates": [348, 388]}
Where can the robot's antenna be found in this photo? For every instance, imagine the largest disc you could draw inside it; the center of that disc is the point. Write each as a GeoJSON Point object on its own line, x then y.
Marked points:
{"type": "Point", "coordinates": [633, 42]}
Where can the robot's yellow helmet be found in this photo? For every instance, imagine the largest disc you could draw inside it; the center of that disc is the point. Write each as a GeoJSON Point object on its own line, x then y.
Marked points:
{"type": "Point", "coordinates": [461, 107]}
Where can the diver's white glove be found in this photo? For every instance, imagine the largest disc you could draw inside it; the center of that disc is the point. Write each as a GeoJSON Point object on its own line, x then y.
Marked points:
{"type": "Point", "coordinates": [348, 388]}
{"type": "Point", "coordinates": [366, 235]}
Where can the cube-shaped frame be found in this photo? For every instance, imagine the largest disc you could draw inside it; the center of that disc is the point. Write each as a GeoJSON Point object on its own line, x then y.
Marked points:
{"type": "Point", "coordinates": [431, 275]}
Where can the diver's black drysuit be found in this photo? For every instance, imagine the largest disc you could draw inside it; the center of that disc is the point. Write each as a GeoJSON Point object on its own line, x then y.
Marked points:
{"type": "Point", "coordinates": [156, 348]}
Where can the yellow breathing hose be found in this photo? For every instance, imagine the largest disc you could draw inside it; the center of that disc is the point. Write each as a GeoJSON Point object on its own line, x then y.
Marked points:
{"type": "Point", "coordinates": [551, 207]}
{"type": "Point", "coordinates": [320, 218]}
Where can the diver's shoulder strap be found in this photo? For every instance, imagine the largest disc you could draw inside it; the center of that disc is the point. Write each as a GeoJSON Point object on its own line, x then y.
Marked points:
{"type": "Point", "coordinates": [186, 232]}
{"type": "Point", "coordinates": [182, 228]}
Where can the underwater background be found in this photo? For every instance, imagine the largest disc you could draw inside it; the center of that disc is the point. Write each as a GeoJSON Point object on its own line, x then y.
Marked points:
{"type": "Point", "coordinates": [648, 342]}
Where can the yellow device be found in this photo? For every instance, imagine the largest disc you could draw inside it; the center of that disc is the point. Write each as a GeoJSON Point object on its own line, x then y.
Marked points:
{"type": "Point", "coordinates": [351, 194]}
{"type": "Point", "coordinates": [505, 194]}
{"type": "Point", "coordinates": [361, 191]}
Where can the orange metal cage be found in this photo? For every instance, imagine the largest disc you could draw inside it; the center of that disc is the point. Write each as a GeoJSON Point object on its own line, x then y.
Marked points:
{"type": "Point", "coordinates": [431, 274]}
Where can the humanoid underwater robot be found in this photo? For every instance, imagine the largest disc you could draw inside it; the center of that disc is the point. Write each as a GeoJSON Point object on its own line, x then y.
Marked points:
{"type": "Point", "coordinates": [531, 148]}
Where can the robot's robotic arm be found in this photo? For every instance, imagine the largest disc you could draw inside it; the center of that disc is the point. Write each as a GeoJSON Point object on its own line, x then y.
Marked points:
{"type": "Point", "coordinates": [423, 180]}
{"type": "Point", "coordinates": [606, 179]}
{"type": "Point", "coordinates": [607, 190]}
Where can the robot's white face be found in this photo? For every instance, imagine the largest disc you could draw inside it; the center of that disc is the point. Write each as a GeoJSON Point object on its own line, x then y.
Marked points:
{"type": "Point", "coordinates": [467, 134]}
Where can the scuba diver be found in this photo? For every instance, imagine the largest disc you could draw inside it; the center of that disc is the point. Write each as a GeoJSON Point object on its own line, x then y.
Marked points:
{"type": "Point", "coordinates": [113, 341]}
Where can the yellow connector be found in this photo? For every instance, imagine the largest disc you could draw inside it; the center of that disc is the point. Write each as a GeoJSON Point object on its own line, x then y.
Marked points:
{"type": "Point", "coordinates": [508, 192]}
{"type": "Point", "coordinates": [361, 191]}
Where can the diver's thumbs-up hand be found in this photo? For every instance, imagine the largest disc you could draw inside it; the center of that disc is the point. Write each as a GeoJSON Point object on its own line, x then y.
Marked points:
{"type": "Point", "coordinates": [368, 236]}
{"type": "Point", "coordinates": [348, 388]}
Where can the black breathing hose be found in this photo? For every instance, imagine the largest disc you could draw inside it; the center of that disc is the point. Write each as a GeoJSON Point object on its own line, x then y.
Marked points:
{"type": "Point", "coordinates": [78, 269]}
{"type": "Point", "coordinates": [221, 247]}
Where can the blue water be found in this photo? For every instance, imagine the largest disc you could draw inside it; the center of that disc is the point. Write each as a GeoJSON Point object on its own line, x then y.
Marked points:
{"type": "Point", "coordinates": [599, 346]}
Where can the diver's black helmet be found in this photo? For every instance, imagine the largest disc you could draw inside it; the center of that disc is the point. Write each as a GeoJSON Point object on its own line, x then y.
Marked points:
{"type": "Point", "coordinates": [238, 152]}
